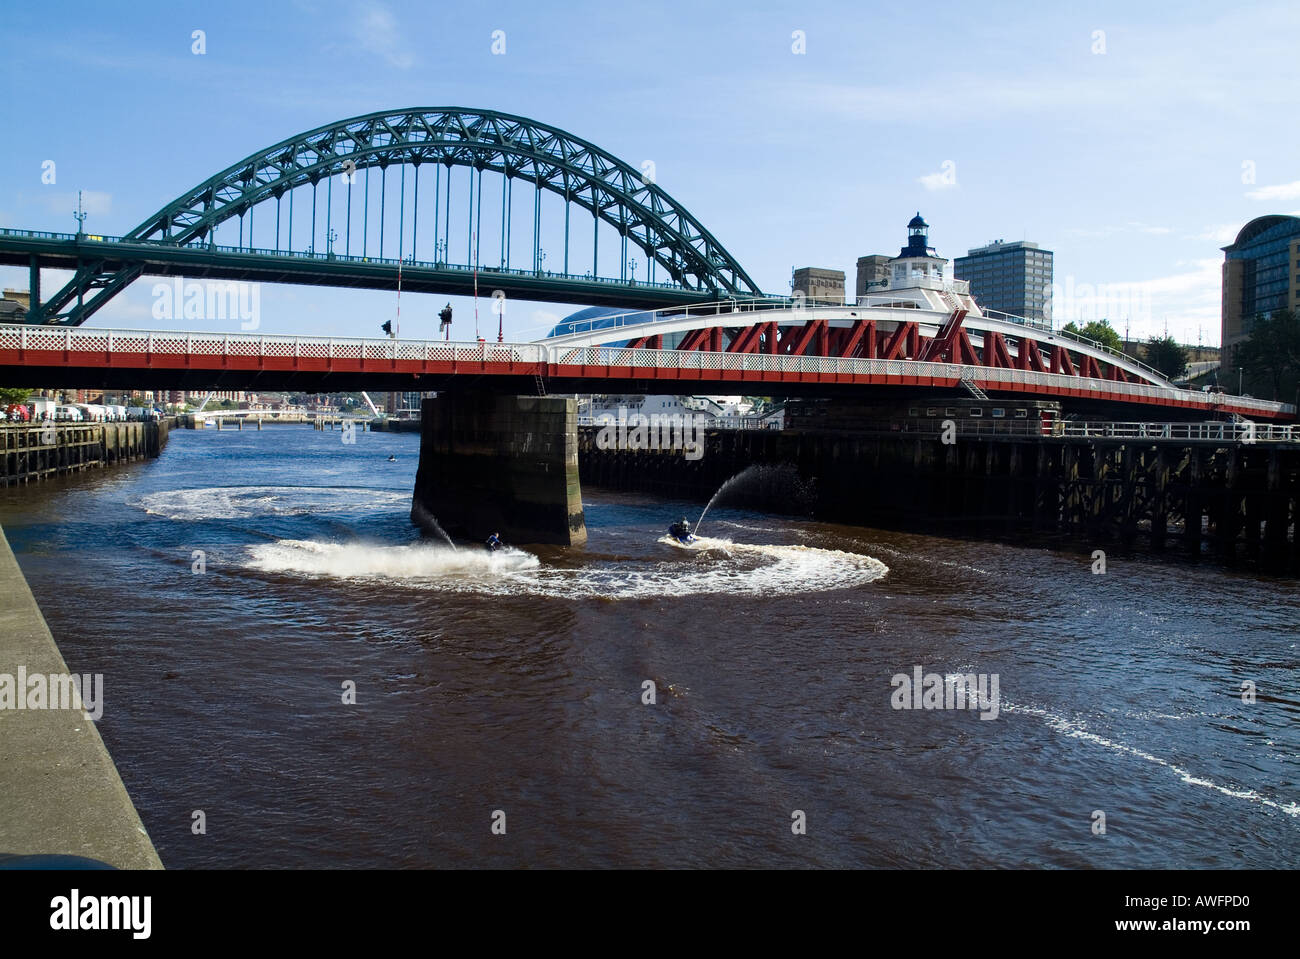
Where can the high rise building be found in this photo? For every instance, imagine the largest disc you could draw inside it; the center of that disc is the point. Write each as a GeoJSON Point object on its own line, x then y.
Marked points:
{"type": "Point", "coordinates": [819, 284]}
{"type": "Point", "coordinates": [1261, 274]}
{"type": "Point", "coordinates": [1013, 278]}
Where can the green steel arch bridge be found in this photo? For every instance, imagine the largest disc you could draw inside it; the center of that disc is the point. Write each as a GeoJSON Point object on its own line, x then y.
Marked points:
{"type": "Point", "coordinates": [341, 205]}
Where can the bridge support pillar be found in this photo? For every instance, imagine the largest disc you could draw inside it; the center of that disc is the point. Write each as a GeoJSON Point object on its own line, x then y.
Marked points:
{"type": "Point", "coordinates": [34, 289]}
{"type": "Point", "coordinates": [500, 464]}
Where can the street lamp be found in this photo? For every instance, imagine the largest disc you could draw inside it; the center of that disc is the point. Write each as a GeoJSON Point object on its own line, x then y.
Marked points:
{"type": "Point", "coordinates": [80, 216]}
{"type": "Point", "coordinates": [631, 267]}
{"type": "Point", "coordinates": [331, 236]}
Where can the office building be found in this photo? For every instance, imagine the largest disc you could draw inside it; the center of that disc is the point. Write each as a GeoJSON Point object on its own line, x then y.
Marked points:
{"type": "Point", "coordinates": [1261, 275]}
{"type": "Point", "coordinates": [1013, 278]}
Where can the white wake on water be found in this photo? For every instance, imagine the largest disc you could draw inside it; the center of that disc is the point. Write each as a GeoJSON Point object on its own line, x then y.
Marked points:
{"type": "Point", "coordinates": [412, 562]}
{"type": "Point", "coordinates": [723, 567]}
{"type": "Point", "coordinates": [1075, 729]}
{"type": "Point", "coordinates": [244, 502]}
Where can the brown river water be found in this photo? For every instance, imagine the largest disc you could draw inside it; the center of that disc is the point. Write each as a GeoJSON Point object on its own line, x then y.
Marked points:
{"type": "Point", "coordinates": [510, 690]}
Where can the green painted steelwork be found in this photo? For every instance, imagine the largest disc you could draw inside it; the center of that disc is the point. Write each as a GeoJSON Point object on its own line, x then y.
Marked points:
{"type": "Point", "coordinates": [182, 232]}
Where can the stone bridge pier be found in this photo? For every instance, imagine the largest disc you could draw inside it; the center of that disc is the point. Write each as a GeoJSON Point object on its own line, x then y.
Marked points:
{"type": "Point", "coordinates": [500, 464]}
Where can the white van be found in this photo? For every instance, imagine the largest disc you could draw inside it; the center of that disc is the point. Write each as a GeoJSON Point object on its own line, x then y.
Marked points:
{"type": "Point", "coordinates": [43, 409]}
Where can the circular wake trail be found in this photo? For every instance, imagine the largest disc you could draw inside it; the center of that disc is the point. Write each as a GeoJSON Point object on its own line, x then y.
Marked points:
{"type": "Point", "coordinates": [720, 567]}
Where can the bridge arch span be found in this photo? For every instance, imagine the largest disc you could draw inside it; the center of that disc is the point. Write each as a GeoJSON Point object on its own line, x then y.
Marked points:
{"type": "Point", "coordinates": [584, 176]}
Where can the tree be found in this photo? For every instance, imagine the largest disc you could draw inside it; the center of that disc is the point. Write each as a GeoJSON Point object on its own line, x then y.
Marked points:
{"type": "Point", "coordinates": [1270, 359]}
{"type": "Point", "coordinates": [1164, 353]}
{"type": "Point", "coordinates": [1099, 330]}
{"type": "Point", "coordinates": [13, 394]}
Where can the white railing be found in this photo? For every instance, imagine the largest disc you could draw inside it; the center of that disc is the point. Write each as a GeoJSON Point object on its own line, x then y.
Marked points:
{"type": "Point", "coordinates": [1203, 432]}
{"type": "Point", "coordinates": [704, 421]}
{"type": "Point", "coordinates": [300, 348]}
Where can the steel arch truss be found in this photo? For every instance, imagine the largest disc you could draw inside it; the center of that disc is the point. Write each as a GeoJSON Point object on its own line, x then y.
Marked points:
{"type": "Point", "coordinates": [580, 172]}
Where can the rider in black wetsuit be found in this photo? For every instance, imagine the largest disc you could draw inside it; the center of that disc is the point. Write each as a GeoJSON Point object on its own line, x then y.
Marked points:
{"type": "Point", "coordinates": [494, 543]}
{"type": "Point", "coordinates": [681, 531]}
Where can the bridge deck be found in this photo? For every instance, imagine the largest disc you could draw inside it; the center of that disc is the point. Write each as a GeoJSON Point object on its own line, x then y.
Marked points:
{"type": "Point", "coordinates": [43, 356]}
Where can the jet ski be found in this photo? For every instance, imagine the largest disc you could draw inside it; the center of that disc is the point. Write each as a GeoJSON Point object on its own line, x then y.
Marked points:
{"type": "Point", "coordinates": [681, 531]}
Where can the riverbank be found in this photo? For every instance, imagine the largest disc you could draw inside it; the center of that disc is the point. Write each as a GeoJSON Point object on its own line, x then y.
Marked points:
{"type": "Point", "coordinates": [32, 452]}
{"type": "Point", "coordinates": [60, 792]}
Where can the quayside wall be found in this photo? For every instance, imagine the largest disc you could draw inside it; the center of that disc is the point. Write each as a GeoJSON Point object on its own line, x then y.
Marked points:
{"type": "Point", "coordinates": [32, 452]}
{"type": "Point", "coordinates": [60, 793]}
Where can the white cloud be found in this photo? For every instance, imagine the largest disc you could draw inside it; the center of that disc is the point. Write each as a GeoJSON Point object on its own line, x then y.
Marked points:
{"type": "Point", "coordinates": [94, 202]}
{"type": "Point", "coordinates": [945, 179]}
{"type": "Point", "coordinates": [379, 34]}
{"type": "Point", "coordinates": [935, 181]}
{"type": "Point", "coordinates": [1222, 234]}
{"type": "Point", "coordinates": [1189, 300]}
{"type": "Point", "coordinates": [1278, 191]}
{"type": "Point", "coordinates": [1186, 302]}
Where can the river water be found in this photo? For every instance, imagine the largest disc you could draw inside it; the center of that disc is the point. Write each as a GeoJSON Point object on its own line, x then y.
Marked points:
{"type": "Point", "coordinates": [510, 690]}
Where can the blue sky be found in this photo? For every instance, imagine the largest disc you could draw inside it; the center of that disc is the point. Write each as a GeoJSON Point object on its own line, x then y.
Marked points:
{"type": "Point", "coordinates": [1132, 139]}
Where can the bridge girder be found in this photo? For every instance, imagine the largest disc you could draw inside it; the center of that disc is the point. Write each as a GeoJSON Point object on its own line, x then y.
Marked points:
{"type": "Point", "coordinates": [850, 332]}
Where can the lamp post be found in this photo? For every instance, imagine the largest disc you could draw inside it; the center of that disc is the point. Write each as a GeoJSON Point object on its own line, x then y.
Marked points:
{"type": "Point", "coordinates": [80, 217]}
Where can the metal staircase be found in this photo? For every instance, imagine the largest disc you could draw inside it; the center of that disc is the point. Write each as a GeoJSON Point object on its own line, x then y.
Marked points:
{"type": "Point", "coordinates": [968, 382]}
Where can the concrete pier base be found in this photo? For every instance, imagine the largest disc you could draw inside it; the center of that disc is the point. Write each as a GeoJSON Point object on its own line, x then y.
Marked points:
{"type": "Point", "coordinates": [500, 464]}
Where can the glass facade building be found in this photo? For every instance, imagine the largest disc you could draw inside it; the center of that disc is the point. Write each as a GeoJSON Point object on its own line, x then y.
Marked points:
{"type": "Point", "coordinates": [1013, 278]}
{"type": "Point", "coordinates": [1261, 274]}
